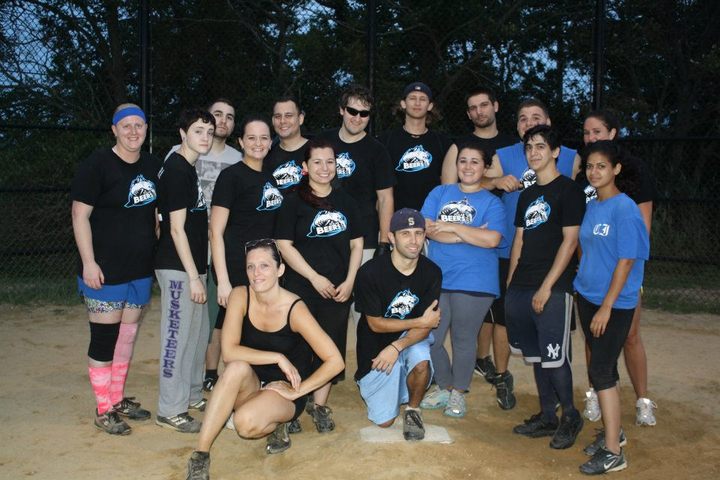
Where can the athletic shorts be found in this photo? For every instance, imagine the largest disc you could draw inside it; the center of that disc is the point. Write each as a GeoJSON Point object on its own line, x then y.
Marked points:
{"type": "Point", "coordinates": [384, 393]}
{"type": "Point", "coordinates": [133, 294]}
{"type": "Point", "coordinates": [496, 314]}
{"type": "Point", "coordinates": [544, 337]}
{"type": "Point", "coordinates": [298, 402]}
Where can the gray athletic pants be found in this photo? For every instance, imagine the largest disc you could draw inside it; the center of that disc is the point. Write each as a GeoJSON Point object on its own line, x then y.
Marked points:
{"type": "Point", "coordinates": [463, 314]}
{"type": "Point", "coordinates": [183, 342]}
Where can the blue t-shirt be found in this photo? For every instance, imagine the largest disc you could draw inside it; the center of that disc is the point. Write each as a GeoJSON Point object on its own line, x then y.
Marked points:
{"type": "Point", "coordinates": [514, 162]}
{"type": "Point", "coordinates": [466, 267]}
{"type": "Point", "coordinates": [612, 230]}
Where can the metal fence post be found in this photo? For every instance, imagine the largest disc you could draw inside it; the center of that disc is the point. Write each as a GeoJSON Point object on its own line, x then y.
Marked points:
{"type": "Point", "coordinates": [599, 53]}
{"type": "Point", "coordinates": [371, 48]}
{"type": "Point", "coordinates": [144, 34]}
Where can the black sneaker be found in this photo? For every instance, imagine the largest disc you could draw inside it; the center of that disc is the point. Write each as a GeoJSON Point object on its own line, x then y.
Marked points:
{"type": "Point", "coordinates": [413, 428]}
{"type": "Point", "coordinates": [322, 418]}
{"type": "Point", "coordinates": [504, 384]}
{"type": "Point", "coordinates": [209, 383]}
{"type": "Point", "coordinates": [567, 432]}
{"type": "Point", "coordinates": [130, 409]}
{"type": "Point", "coordinates": [198, 466]}
{"type": "Point", "coordinates": [294, 426]}
{"type": "Point", "coordinates": [536, 427]}
{"type": "Point", "coordinates": [279, 440]}
{"type": "Point", "coordinates": [486, 369]}
{"type": "Point", "coordinates": [111, 423]}
{"type": "Point", "coordinates": [182, 423]}
{"type": "Point", "coordinates": [604, 461]}
{"type": "Point", "coordinates": [599, 442]}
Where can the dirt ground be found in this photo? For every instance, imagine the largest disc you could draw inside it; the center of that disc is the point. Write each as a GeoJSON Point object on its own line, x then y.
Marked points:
{"type": "Point", "coordinates": [46, 409]}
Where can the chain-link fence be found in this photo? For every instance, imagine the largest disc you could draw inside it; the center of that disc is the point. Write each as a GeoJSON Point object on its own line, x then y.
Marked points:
{"type": "Point", "coordinates": [65, 65]}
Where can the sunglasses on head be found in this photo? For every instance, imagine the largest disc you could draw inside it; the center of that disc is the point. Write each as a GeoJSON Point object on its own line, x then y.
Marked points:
{"type": "Point", "coordinates": [262, 242]}
{"type": "Point", "coordinates": [354, 112]}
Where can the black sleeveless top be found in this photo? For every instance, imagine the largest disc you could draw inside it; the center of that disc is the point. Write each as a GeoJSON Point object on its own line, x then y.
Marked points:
{"type": "Point", "coordinates": [285, 341]}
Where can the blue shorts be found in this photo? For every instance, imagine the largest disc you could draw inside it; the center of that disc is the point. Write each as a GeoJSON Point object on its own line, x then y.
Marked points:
{"type": "Point", "coordinates": [133, 294]}
{"type": "Point", "coordinates": [540, 338]}
{"type": "Point", "coordinates": [384, 393]}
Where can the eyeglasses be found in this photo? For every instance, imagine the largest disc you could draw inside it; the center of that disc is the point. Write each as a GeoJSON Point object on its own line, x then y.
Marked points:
{"type": "Point", "coordinates": [354, 112]}
{"type": "Point", "coordinates": [263, 242]}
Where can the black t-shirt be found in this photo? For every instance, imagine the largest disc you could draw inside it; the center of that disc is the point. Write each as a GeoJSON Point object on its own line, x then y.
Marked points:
{"type": "Point", "coordinates": [123, 196]}
{"type": "Point", "coordinates": [363, 168]}
{"type": "Point", "coordinates": [489, 144]}
{"type": "Point", "coordinates": [542, 212]}
{"type": "Point", "coordinates": [179, 188]}
{"type": "Point", "coordinates": [382, 291]}
{"type": "Point", "coordinates": [645, 192]}
{"type": "Point", "coordinates": [417, 163]}
{"type": "Point", "coordinates": [253, 200]}
{"type": "Point", "coordinates": [321, 236]}
{"type": "Point", "coordinates": [285, 167]}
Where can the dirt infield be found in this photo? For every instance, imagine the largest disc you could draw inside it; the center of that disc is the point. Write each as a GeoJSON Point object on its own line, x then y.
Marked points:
{"type": "Point", "coordinates": [46, 408]}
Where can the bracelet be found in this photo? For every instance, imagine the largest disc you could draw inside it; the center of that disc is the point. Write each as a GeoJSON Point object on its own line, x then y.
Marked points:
{"type": "Point", "coordinates": [396, 348]}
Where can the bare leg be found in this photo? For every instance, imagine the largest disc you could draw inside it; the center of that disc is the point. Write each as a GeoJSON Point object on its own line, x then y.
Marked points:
{"type": "Point", "coordinates": [610, 406]}
{"type": "Point", "coordinates": [417, 382]}
{"type": "Point", "coordinates": [320, 396]}
{"type": "Point", "coordinates": [261, 413]}
{"type": "Point", "coordinates": [635, 358]}
{"type": "Point", "coordinates": [212, 356]}
{"type": "Point", "coordinates": [484, 339]}
{"type": "Point", "coordinates": [501, 348]}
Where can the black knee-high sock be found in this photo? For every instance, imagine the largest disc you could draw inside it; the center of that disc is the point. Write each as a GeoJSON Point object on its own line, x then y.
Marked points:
{"type": "Point", "coordinates": [562, 383]}
{"type": "Point", "coordinates": [546, 393]}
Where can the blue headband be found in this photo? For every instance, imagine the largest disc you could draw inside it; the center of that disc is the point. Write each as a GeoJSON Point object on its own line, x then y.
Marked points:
{"type": "Point", "coordinates": [126, 112]}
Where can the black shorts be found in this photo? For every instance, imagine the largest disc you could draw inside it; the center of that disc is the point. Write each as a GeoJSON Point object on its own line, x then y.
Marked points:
{"type": "Point", "coordinates": [333, 319]}
{"type": "Point", "coordinates": [496, 314]}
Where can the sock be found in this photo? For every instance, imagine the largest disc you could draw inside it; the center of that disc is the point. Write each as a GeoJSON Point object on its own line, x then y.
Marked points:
{"type": "Point", "coordinates": [121, 360]}
{"type": "Point", "coordinates": [100, 382]}
{"type": "Point", "coordinates": [546, 393]}
{"type": "Point", "coordinates": [211, 373]}
{"type": "Point", "coordinates": [561, 380]}
{"type": "Point", "coordinates": [417, 409]}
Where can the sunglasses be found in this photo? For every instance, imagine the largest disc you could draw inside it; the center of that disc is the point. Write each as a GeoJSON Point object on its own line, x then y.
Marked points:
{"type": "Point", "coordinates": [260, 243]}
{"type": "Point", "coordinates": [354, 112]}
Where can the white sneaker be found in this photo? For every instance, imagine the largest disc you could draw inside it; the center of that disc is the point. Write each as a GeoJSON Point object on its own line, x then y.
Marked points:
{"type": "Point", "coordinates": [436, 398]}
{"type": "Point", "coordinates": [592, 406]}
{"type": "Point", "coordinates": [645, 412]}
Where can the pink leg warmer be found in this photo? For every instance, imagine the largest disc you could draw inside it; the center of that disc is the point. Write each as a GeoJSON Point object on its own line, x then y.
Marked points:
{"type": "Point", "coordinates": [100, 381]}
{"type": "Point", "coordinates": [121, 360]}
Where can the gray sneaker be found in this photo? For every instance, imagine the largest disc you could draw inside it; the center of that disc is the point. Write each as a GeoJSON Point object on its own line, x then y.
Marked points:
{"type": "Point", "coordinates": [199, 405]}
{"type": "Point", "coordinates": [279, 440]}
{"type": "Point", "coordinates": [294, 426]}
{"type": "Point", "coordinates": [456, 406]}
{"type": "Point", "coordinates": [599, 442]}
{"type": "Point", "coordinates": [182, 423]}
{"type": "Point", "coordinates": [413, 428]}
{"type": "Point", "coordinates": [645, 412]}
{"type": "Point", "coordinates": [604, 461]}
{"type": "Point", "coordinates": [198, 466]}
{"type": "Point", "coordinates": [111, 423]}
{"type": "Point", "coordinates": [322, 418]}
{"type": "Point", "coordinates": [131, 409]}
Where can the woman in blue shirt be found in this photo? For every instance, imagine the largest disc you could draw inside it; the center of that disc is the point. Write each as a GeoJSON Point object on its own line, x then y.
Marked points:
{"type": "Point", "coordinates": [615, 245]}
{"type": "Point", "coordinates": [464, 224]}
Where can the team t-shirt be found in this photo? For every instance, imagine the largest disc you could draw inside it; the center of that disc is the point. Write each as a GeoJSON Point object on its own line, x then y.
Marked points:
{"type": "Point", "coordinates": [285, 166]}
{"type": "Point", "coordinates": [363, 168]}
{"type": "Point", "coordinates": [514, 162]}
{"type": "Point", "coordinates": [646, 183]}
{"type": "Point", "coordinates": [382, 291]}
{"type": "Point", "coordinates": [123, 196]}
{"type": "Point", "coordinates": [542, 212]}
{"type": "Point", "coordinates": [466, 267]}
{"type": "Point", "coordinates": [321, 236]}
{"type": "Point", "coordinates": [253, 200]}
{"type": "Point", "coordinates": [612, 229]}
{"type": "Point", "coordinates": [179, 188]}
{"type": "Point", "coordinates": [417, 163]}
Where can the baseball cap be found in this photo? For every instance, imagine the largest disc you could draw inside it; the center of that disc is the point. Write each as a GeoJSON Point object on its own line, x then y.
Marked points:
{"type": "Point", "coordinates": [418, 87]}
{"type": "Point", "coordinates": [406, 218]}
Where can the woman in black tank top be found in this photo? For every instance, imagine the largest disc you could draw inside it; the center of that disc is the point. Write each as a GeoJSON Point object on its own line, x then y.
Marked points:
{"type": "Point", "coordinates": [266, 343]}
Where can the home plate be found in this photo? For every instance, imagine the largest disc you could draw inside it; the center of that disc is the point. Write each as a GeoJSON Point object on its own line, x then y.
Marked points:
{"type": "Point", "coordinates": [394, 434]}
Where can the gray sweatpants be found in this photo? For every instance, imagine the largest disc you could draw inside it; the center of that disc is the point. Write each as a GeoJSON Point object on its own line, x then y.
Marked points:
{"type": "Point", "coordinates": [463, 314]}
{"type": "Point", "coordinates": [183, 342]}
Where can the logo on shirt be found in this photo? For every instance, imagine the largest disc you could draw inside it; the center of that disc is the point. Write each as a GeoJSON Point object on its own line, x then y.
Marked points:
{"type": "Point", "coordinates": [601, 229]}
{"type": "Point", "coordinates": [345, 165]}
{"type": "Point", "coordinates": [142, 192]}
{"type": "Point", "coordinates": [287, 174]}
{"type": "Point", "coordinates": [537, 213]}
{"type": "Point", "coordinates": [271, 198]}
{"type": "Point", "coordinates": [457, 212]}
{"type": "Point", "coordinates": [528, 178]}
{"type": "Point", "coordinates": [402, 304]}
{"type": "Point", "coordinates": [327, 224]}
{"type": "Point", "coordinates": [414, 159]}
{"type": "Point", "coordinates": [200, 204]}
{"type": "Point", "coordinates": [590, 193]}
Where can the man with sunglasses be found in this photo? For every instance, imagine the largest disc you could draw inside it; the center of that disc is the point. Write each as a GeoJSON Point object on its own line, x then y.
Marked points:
{"type": "Point", "coordinates": [415, 150]}
{"type": "Point", "coordinates": [364, 168]}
